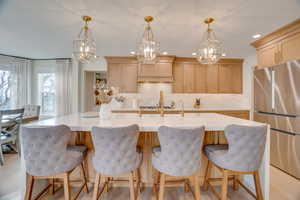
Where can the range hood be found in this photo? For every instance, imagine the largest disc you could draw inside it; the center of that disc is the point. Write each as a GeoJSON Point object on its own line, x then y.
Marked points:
{"type": "Point", "coordinates": [159, 72]}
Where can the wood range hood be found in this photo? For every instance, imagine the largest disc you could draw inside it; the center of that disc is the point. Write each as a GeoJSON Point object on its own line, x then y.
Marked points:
{"type": "Point", "coordinates": [159, 72]}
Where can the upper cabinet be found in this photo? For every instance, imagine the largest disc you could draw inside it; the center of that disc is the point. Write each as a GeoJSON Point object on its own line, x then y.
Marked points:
{"type": "Point", "coordinates": [161, 71]}
{"type": "Point", "coordinates": [122, 73]}
{"type": "Point", "coordinates": [230, 78]}
{"type": "Point", "coordinates": [192, 77]}
{"type": "Point", "coordinates": [280, 46]}
{"type": "Point", "coordinates": [185, 74]}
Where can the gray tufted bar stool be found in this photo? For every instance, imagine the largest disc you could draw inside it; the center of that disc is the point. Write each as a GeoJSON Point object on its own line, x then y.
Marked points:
{"type": "Point", "coordinates": [116, 156]}
{"type": "Point", "coordinates": [242, 156]}
{"type": "Point", "coordinates": [179, 155]}
{"type": "Point", "coordinates": [47, 156]}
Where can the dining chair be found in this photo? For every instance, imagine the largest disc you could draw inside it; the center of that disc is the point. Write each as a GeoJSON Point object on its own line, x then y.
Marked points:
{"type": "Point", "coordinates": [31, 113]}
{"type": "Point", "coordinates": [48, 156]}
{"type": "Point", "coordinates": [179, 155]}
{"type": "Point", "coordinates": [116, 155]}
{"type": "Point", "coordinates": [10, 121]}
{"type": "Point", "coordinates": [242, 156]}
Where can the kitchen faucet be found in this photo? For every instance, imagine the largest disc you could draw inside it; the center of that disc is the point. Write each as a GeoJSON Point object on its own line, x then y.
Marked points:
{"type": "Point", "coordinates": [161, 103]}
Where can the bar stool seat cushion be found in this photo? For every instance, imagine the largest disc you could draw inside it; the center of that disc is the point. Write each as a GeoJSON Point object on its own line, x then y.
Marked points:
{"type": "Point", "coordinates": [46, 153]}
{"type": "Point", "coordinates": [78, 148]}
{"type": "Point", "coordinates": [244, 152]}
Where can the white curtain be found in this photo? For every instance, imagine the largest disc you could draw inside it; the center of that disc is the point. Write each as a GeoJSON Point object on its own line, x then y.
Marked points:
{"type": "Point", "coordinates": [22, 71]}
{"type": "Point", "coordinates": [63, 76]}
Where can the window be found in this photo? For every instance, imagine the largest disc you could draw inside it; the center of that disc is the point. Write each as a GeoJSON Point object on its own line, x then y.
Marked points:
{"type": "Point", "coordinates": [6, 84]}
{"type": "Point", "coordinates": [46, 88]}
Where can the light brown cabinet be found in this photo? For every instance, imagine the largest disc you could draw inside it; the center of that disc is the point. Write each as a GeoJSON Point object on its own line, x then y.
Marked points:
{"type": "Point", "coordinates": [185, 74]}
{"type": "Point", "coordinates": [192, 77]}
{"type": "Point", "coordinates": [122, 73]}
{"type": "Point", "coordinates": [212, 79]}
{"type": "Point", "coordinates": [279, 46]}
{"type": "Point", "coordinates": [230, 78]}
{"type": "Point", "coordinates": [161, 71]}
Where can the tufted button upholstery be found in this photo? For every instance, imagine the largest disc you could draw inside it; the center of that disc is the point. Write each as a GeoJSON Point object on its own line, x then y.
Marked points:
{"type": "Point", "coordinates": [245, 150]}
{"type": "Point", "coordinates": [180, 153]}
{"type": "Point", "coordinates": [115, 150]}
{"type": "Point", "coordinates": [31, 111]}
{"type": "Point", "coordinates": [46, 153]}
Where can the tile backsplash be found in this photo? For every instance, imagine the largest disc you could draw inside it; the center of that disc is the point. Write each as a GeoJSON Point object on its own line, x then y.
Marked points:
{"type": "Point", "coordinates": [149, 95]}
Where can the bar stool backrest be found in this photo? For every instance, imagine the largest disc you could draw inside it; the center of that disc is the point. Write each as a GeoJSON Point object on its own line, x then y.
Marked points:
{"type": "Point", "coordinates": [115, 149]}
{"type": "Point", "coordinates": [180, 150]}
{"type": "Point", "coordinates": [45, 150]}
{"type": "Point", "coordinates": [246, 147]}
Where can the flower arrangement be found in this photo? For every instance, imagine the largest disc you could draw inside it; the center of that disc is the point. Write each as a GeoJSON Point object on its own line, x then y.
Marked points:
{"type": "Point", "coordinates": [104, 93]}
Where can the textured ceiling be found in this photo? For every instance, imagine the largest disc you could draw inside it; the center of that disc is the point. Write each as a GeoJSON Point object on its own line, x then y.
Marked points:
{"type": "Point", "coordinates": [45, 28]}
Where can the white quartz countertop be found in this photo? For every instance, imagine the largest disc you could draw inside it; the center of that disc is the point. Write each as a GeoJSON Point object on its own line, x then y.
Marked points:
{"type": "Point", "coordinates": [147, 123]}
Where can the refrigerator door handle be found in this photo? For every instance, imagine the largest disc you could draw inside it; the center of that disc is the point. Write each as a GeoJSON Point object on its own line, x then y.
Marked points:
{"type": "Point", "coordinates": [285, 132]}
{"type": "Point", "coordinates": [276, 114]}
{"type": "Point", "coordinates": [273, 90]}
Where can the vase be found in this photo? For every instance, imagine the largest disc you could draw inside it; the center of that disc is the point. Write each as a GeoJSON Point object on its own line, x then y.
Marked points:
{"type": "Point", "coordinates": [105, 111]}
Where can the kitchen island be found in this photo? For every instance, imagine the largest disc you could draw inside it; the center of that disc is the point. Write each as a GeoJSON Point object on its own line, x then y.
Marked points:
{"type": "Point", "coordinates": [215, 124]}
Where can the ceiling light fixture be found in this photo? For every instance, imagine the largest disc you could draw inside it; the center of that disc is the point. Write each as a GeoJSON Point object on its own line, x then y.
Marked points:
{"type": "Point", "coordinates": [211, 48]}
{"type": "Point", "coordinates": [132, 52]}
{"type": "Point", "coordinates": [194, 54]}
{"type": "Point", "coordinates": [148, 49]}
{"type": "Point", "coordinates": [256, 36]}
{"type": "Point", "coordinates": [165, 53]}
{"type": "Point", "coordinates": [84, 46]}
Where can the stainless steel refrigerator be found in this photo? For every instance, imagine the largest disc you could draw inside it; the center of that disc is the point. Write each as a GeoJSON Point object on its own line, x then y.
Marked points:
{"type": "Point", "coordinates": [277, 102]}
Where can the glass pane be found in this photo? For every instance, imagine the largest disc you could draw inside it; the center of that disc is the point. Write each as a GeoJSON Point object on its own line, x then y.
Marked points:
{"type": "Point", "coordinates": [5, 88]}
{"type": "Point", "coordinates": [47, 92]}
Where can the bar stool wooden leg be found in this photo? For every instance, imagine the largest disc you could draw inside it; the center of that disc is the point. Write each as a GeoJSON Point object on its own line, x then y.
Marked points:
{"type": "Point", "coordinates": [29, 187]}
{"type": "Point", "coordinates": [257, 186]}
{"type": "Point", "coordinates": [162, 186]}
{"type": "Point", "coordinates": [67, 186]}
{"type": "Point", "coordinates": [207, 175]}
{"type": "Point", "coordinates": [224, 185]}
{"type": "Point", "coordinates": [83, 175]}
{"type": "Point", "coordinates": [131, 183]}
{"type": "Point", "coordinates": [51, 189]}
{"type": "Point", "coordinates": [186, 185]}
{"type": "Point", "coordinates": [235, 182]}
{"type": "Point", "coordinates": [197, 187]}
{"type": "Point", "coordinates": [96, 186]}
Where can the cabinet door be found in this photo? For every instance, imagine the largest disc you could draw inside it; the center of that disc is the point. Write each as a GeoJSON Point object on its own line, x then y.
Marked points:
{"type": "Point", "coordinates": [230, 78]}
{"type": "Point", "coordinates": [114, 77]}
{"type": "Point", "coordinates": [147, 70]}
{"type": "Point", "coordinates": [290, 48]}
{"type": "Point", "coordinates": [212, 81]}
{"type": "Point", "coordinates": [178, 78]}
{"type": "Point", "coordinates": [267, 56]}
{"type": "Point", "coordinates": [200, 78]}
{"type": "Point", "coordinates": [189, 78]}
{"type": "Point", "coordinates": [129, 78]}
{"type": "Point", "coordinates": [163, 69]}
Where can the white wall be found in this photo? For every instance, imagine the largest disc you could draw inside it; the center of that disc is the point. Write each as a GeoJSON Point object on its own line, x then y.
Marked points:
{"type": "Point", "coordinates": [249, 63]}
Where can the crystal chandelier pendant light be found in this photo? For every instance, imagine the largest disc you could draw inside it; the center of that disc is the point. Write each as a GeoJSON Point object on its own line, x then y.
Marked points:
{"type": "Point", "coordinates": [210, 50]}
{"type": "Point", "coordinates": [84, 46]}
{"type": "Point", "coordinates": [148, 49]}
